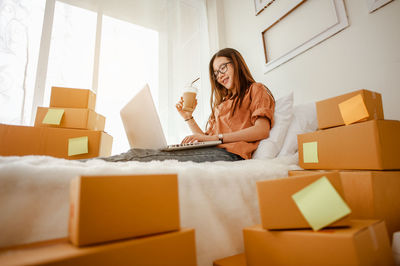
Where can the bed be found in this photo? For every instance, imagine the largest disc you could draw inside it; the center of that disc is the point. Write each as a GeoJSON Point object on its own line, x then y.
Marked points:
{"type": "Point", "coordinates": [218, 199]}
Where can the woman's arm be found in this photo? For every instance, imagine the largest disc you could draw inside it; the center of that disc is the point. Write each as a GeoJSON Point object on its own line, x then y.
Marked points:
{"type": "Point", "coordinates": [194, 127]}
{"type": "Point", "coordinates": [188, 116]}
{"type": "Point", "coordinates": [259, 131]}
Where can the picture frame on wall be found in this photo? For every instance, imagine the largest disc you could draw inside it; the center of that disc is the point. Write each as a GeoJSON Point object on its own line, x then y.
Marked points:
{"type": "Point", "coordinates": [260, 5]}
{"type": "Point", "coordinates": [376, 4]}
{"type": "Point", "coordinates": [333, 20]}
{"type": "Point", "coordinates": [287, 10]}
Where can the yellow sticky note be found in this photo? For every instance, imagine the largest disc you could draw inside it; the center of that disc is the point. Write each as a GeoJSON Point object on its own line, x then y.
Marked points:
{"type": "Point", "coordinates": [53, 116]}
{"type": "Point", "coordinates": [78, 146]}
{"type": "Point", "coordinates": [353, 110]}
{"type": "Point", "coordinates": [320, 204]}
{"type": "Point", "coordinates": [310, 152]}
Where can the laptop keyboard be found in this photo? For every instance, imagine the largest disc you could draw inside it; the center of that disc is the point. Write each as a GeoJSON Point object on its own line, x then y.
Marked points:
{"type": "Point", "coordinates": [192, 145]}
{"type": "Point", "coordinates": [186, 144]}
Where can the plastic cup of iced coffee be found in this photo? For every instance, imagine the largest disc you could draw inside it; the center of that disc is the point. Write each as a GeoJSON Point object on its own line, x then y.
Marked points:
{"type": "Point", "coordinates": [189, 98]}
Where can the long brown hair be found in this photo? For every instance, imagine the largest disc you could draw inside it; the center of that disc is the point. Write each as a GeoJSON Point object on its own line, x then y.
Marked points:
{"type": "Point", "coordinates": [242, 79]}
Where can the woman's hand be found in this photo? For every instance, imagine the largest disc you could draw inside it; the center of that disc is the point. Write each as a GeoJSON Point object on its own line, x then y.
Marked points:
{"type": "Point", "coordinates": [185, 114]}
{"type": "Point", "coordinates": [198, 138]}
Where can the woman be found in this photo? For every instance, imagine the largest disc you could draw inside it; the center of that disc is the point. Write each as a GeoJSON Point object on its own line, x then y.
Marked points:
{"type": "Point", "coordinates": [242, 115]}
{"type": "Point", "coordinates": [242, 110]}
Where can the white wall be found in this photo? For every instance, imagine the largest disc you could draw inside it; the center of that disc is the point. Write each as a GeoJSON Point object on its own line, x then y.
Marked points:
{"type": "Point", "coordinates": [365, 55]}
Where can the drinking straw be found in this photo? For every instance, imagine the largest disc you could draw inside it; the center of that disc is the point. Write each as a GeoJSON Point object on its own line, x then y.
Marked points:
{"type": "Point", "coordinates": [194, 81]}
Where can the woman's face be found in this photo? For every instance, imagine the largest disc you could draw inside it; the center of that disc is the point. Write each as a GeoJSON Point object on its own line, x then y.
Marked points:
{"type": "Point", "coordinates": [223, 71]}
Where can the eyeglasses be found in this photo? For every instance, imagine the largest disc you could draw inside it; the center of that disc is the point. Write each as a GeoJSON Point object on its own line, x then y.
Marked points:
{"type": "Point", "coordinates": [222, 69]}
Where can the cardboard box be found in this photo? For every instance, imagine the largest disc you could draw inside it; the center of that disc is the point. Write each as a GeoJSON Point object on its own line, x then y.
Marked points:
{"type": "Point", "coordinates": [236, 260]}
{"type": "Point", "coordinates": [371, 145]}
{"type": "Point", "coordinates": [78, 118]}
{"type": "Point", "coordinates": [24, 140]}
{"type": "Point", "coordinates": [277, 208]}
{"type": "Point", "coordinates": [175, 248]}
{"type": "Point", "coordinates": [364, 243]}
{"type": "Point", "coordinates": [329, 114]}
{"type": "Point", "coordinates": [72, 98]}
{"type": "Point", "coordinates": [106, 208]}
{"type": "Point", "coordinates": [370, 195]}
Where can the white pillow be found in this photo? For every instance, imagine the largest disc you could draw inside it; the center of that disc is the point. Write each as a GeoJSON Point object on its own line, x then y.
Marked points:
{"type": "Point", "coordinates": [304, 121]}
{"type": "Point", "coordinates": [270, 147]}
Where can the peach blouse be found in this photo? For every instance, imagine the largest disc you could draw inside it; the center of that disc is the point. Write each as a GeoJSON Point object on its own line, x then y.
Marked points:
{"type": "Point", "coordinates": [256, 103]}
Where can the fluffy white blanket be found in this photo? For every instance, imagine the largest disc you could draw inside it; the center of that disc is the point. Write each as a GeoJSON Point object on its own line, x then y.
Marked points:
{"type": "Point", "coordinates": [218, 199]}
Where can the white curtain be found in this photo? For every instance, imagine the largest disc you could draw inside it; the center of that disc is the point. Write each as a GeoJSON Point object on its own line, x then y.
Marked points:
{"type": "Point", "coordinates": [185, 54]}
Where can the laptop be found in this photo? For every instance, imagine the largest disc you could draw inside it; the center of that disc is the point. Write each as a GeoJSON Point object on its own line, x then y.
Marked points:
{"type": "Point", "coordinates": [143, 127]}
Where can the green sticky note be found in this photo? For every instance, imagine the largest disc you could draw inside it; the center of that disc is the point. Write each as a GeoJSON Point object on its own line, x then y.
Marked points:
{"type": "Point", "coordinates": [310, 152]}
{"type": "Point", "coordinates": [320, 204]}
{"type": "Point", "coordinates": [53, 116]}
{"type": "Point", "coordinates": [78, 146]}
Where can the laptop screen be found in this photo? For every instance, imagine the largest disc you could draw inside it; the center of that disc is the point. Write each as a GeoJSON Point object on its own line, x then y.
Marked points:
{"type": "Point", "coordinates": [142, 123]}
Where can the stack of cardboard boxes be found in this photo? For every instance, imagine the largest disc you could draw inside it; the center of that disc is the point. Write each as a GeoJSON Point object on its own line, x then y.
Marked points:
{"type": "Point", "coordinates": [69, 128]}
{"type": "Point", "coordinates": [117, 220]}
{"type": "Point", "coordinates": [353, 146]}
{"type": "Point", "coordinates": [356, 141]}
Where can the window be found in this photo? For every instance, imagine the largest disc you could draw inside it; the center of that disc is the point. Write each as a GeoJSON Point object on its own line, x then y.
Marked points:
{"type": "Point", "coordinates": [71, 49]}
{"type": "Point", "coordinates": [20, 32]}
{"type": "Point", "coordinates": [128, 60]}
{"type": "Point", "coordinates": [45, 43]}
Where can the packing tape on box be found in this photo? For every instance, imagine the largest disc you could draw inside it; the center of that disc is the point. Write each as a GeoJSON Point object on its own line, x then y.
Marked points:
{"type": "Point", "coordinates": [396, 247]}
{"type": "Point", "coordinates": [373, 237]}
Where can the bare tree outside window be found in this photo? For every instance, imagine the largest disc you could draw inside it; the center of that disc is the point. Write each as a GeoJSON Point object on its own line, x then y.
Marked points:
{"type": "Point", "coordinates": [20, 30]}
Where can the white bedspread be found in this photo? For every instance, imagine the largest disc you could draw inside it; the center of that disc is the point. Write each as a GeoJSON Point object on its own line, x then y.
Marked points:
{"type": "Point", "coordinates": [217, 199]}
